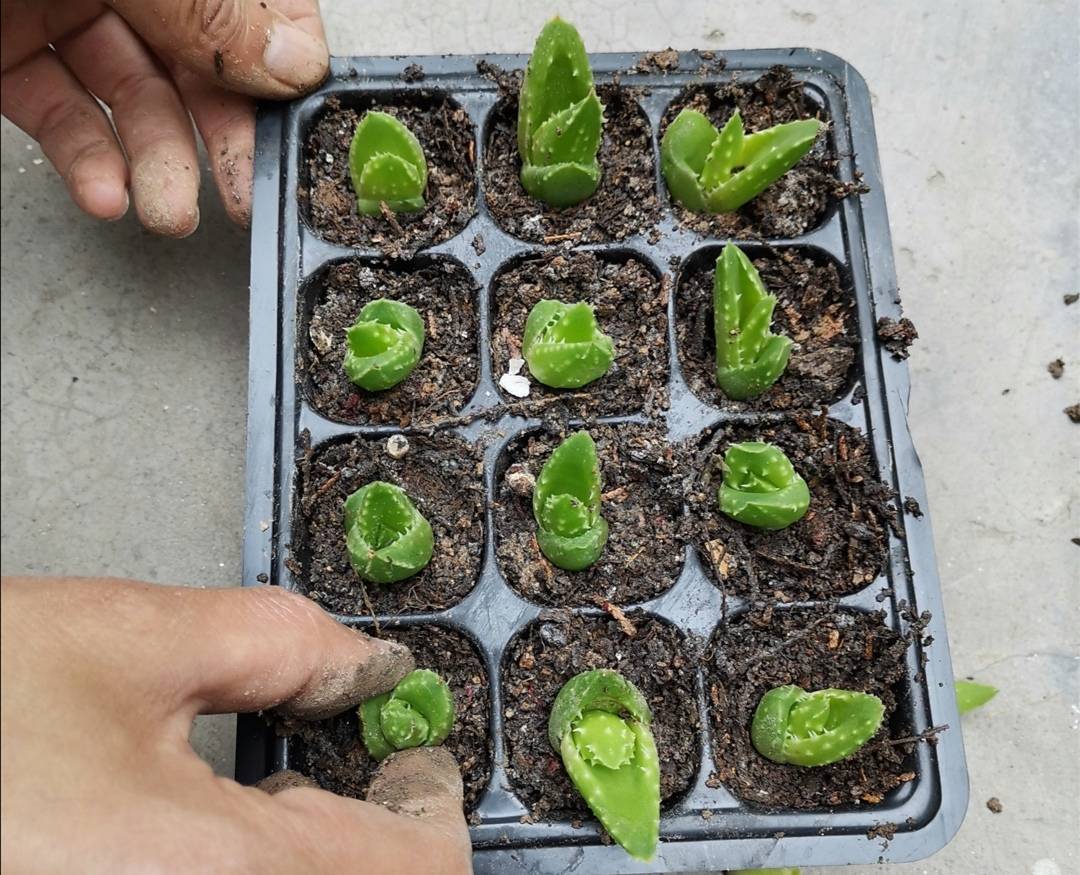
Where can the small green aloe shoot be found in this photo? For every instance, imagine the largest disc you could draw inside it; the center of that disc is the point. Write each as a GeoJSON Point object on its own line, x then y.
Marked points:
{"type": "Point", "coordinates": [761, 488]}
{"type": "Point", "coordinates": [710, 171]}
{"type": "Point", "coordinates": [418, 711]}
{"type": "Point", "coordinates": [970, 695]}
{"type": "Point", "coordinates": [566, 503]}
{"type": "Point", "coordinates": [560, 119]}
{"type": "Point", "coordinates": [564, 346]}
{"type": "Point", "coordinates": [599, 724]}
{"type": "Point", "coordinates": [387, 166]}
{"type": "Point", "coordinates": [387, 537]}
{"type": "Point", "coordinates": [814, 729]}
{"type": "Point", "coordinates": [384, 344]}
{"type": "Point", "coordinates": [749, 357]}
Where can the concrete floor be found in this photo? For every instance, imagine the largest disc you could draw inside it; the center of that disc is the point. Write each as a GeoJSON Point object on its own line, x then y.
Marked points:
{"type": "Point", "coordinates": [124, 356]}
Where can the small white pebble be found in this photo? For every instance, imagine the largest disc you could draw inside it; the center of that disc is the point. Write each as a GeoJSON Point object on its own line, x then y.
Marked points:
{"type": "Point", "coordinates": [38, 161]}
{"type": "Point", "coordinates": [514, 367]}
{"type": "Point", "coordinates": [515, 385]}
{"type": "Point", "coordinates": [397, 445]}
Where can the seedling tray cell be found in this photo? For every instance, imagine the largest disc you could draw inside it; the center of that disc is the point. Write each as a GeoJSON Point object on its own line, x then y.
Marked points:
{"type": "Point", "coordinates": [706, 827]}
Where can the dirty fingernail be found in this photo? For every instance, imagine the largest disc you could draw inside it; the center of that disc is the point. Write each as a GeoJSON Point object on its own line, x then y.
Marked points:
{"type": "Point", "coordinates": [414, 781]}
{"type": "Point", "coordinates": [295, 57]}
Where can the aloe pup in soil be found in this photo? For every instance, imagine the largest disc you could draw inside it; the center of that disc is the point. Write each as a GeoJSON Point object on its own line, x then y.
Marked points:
{"type": "Point", "coordinates": [387, 537]}
{"type": "Point", "coordinates": [710, 171]}
{"type": "Point", "coordinates": [566, 503]}
{"type": "Point", "coordinates": [761, 488]}
{"type": "Point", "coordinates": [564, 346]}
{"type": "Point", "coordinates": [599, 724]}
{"type": "Point", "coordinates": [560, 119]}
{"type": "Point", "coordinates": [387, 166]}
{"type": "Point", "coordinates": [814, 729]}
{"type": "Point", "coordinates": [418, 711]}
{"type": "Point", "coordinates": [384, 345]}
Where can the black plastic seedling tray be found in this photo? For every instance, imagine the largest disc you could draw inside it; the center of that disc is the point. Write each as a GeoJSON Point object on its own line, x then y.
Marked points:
{"type": "Point", "coordinates": [708, 828]}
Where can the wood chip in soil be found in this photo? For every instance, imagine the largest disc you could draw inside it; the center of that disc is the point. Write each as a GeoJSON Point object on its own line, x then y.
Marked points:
{"type": "Point", "coordinates": [658, 660]}
{"type": "Point", "coordinates": [443, 380]}
{"type": "Point", "coordinates": [796, 203]}
{"type": "Point", "coordinates": [815, 649]}
{"type": "Point", "coordinates": [631, 307]}
{"type": "Point", "coordinates": [327, 197]}
{"type": "Point", "coordinates": [440, 474]}
{"type": "Point", "coordinates": [331, 752]}
{"type": "Point", "coordinates": [815, 309]}
{"type": "Point", "coordinates": [641, 501]}
{"type": "Point", "coordinates": [838, 547]}
{"type": "Point", "coordinates": [625, 202]}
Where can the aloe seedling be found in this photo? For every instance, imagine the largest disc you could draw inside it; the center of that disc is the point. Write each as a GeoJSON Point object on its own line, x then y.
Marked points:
{"type": "Point", "coordinates": [749, 357]}
{"type": "Point", "coordinates": [387, 537]}
{"type": "Point", "coordinates": [387, 166]}
{"type": "Point", "coordinates": [564, 346]}
{"type": "Point", "coordinates": [384, 344]}
{"type": "Point", "coordinates": [560, 119]}
{"type": "Point", "coordinates": [970, 695]}
{"type": "Point", "coordinates": [761, 488]}
{"type": "Point", "coordinates": [566, 504]}
{"type": "Point", "coordinates": [418, 711]}
{"type": "Point", "coordinates": [814, 729]}
{"type": "Point", "coordinates": [599, 724]}
{"type": "Point", "coordinates": [710, 171]}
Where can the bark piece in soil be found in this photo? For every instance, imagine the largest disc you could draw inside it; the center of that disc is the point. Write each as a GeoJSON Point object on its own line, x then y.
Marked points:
{"type": "Point", "coordinates": [441, 475]}
{"type": "Point", "coordinates": [625, 203]}
{"type": "Point", "coordinates": [560, 645]}
{"type": "Point", "coordinates": [897, 336]}
{"type": "Point", "coordinates": [641, 501]}
{"type": "Point", "coordinates": [1073, 412]}
{"type": "Point", "coordinates": [327, 198]}
{"type": "Point", "coordinates": [800, 199]}
{"type": "Point", "coordinates": [1056, 368]}
{"type": "Point", "coordinates": [331, 752]}
{"type": "Point", "coordinates": [840, 545]}
{"type": "Point", "coordinates": [442, 382]}
{"type": "Point", "coordinates": [631, 307]}
{"type": "Point", "coordinates": [815, 309]}
{"type": "Point", "coordinates": [814, 648]}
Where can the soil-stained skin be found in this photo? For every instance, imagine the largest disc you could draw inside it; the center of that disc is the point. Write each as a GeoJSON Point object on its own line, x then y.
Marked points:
{"type": "Point", "coordinates": [631, 307]}
{"type": "Point", "coordinates": [640, 499]}
{"type": "Point", "coordinates": [838, 547]}
{"type": "Point", "coordinates": [331, 752]}
{"type": "Point", "coordinates": [815, 309]}
{"type": "Point", "coordinates": [558, 646]}
{"type": "Point", "coordinates": [440, 474]}
{"type": "Point", "coordinates": [442, 292]}
{"type": "Point", "coordinates": [815, 649]}
{"type": "Point", "coordinates": [327, 197]}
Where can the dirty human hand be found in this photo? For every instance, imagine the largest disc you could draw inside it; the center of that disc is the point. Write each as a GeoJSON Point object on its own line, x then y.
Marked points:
{"type": "Point", "coordinates": [100, 682]}
{"type": "Point", "coordinates": [154, 64]}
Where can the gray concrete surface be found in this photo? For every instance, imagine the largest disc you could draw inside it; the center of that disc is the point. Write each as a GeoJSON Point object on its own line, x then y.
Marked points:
{"type": "Point", "coordinates": [124, 357]}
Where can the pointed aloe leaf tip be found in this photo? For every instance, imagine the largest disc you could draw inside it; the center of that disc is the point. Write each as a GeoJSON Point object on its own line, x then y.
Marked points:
{"type": "Point", "coordinates": [571, 533]}
{"type": "Point", "coordinates": [387, 165]}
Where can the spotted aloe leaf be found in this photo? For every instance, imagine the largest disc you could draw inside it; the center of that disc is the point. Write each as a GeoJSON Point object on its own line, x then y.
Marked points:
{"type": "Point", "coordinates": [970, 695]}
{"type": "Point", "coordinates": [387, 537]}
{"type": "Point", "coordinates": [387, 166]}
{"type": "Point", "coordinates": [384, 344]}
{"type": "Point", "coordinates": [710, 171]}
{"type": "Point", "coordinates": [566, 503]}
{"type": "Point", "coordinates": [564, 345]}
{"type": "Point", "coordinates": [814, 729]}
{"type": "Point", "coordinates": [560, 119]}
{"type": "Point", "coordinates": [761, 487]}
{"type": "Point", "coordinates": [418, 711]}
{"type": "Point", "coordinates": [599, 724]}
{"type": "Point", "coordinates": [749, 357]}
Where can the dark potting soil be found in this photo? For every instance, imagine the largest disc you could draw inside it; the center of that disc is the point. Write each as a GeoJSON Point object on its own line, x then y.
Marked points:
{"type": "Point", "coordinates": [814, 649]}
{"type": "Point", "coordinates": [838, 547]}
{"type": "Point", "coordinates": [331, 752]}
{"type": "Point", "coordinates": [440, 474]}
{"type": "Point", "coordinates": [641, 496]}
{"type": "Point", "coordinates": [799, 200]}
{"type": "Point", "coordinates": [631, 307]}
{"type": "Point", "coordinates": [327, 197]}
{"type": "Point", "coordinates": [443, 380]}
{"type": "Point", "coordinates": [550, 652]}
{"type": "Point", "coordinates": [624, 203]}
{"type": "Point", "coordinates": [814, 308]}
